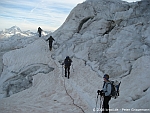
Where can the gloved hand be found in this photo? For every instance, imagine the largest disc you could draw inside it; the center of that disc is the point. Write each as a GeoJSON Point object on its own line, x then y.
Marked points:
{"type": "Point", "coordinates": [100, 92]}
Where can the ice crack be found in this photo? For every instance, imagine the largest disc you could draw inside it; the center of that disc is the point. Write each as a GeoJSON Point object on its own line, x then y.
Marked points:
{"type": "Point", "coordinates": [72, 98]}
{"type": "Point", "coordinates": [23, 79]}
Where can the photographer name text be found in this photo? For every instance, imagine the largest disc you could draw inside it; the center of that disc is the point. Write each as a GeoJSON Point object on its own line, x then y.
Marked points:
{"type": "Point", "coordinates": [122, 109]}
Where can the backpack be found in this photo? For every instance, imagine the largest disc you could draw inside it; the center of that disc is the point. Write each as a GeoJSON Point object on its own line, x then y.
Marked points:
{"type": "Point", "coordinates": [68, 62]}
{"type": "Point", "coordinates": [114, 88]}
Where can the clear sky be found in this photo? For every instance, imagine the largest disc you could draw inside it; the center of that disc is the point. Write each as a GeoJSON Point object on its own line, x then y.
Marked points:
{"type": "Point", "coordinates": [30, 14]}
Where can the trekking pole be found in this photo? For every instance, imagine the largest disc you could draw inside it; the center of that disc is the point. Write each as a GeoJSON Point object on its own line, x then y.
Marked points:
{"type": "Point", "coordinates": [100, 107]}
{"type": "Point", "coordinates": [101, 104]}
{"type": "Point", "coordinates": [96, 103]}
{"type": "Point", "coordinates": [72, 68]}
{"type": "Point", "coordinates": [62, 70]}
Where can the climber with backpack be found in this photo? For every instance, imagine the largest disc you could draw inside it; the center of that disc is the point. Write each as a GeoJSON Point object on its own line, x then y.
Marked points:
{"type": "Point", "coordinates": [110, 90]}
{"type": "Point", "coordinates": [51, 39]}
{"type": "Point", "coordinates": [105, 93]}
{"type": "Point", "coordinates": [39, 31]}
{"type": "Point", "coordinates": [67, 63]}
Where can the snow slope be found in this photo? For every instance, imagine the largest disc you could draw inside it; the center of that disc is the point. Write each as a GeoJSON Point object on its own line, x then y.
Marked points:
{"type": "Point", "coordinates": [50, 87]}
{"type": "Point", "coordinates": [101, 36]}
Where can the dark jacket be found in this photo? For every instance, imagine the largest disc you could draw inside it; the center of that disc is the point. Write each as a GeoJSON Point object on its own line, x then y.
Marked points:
{"type": "Point", "coordinates": [51, 39]}
{"type": "Point", "coordinates": [67, 62]}
{"type": "Point", "coordinates": [39, 29]}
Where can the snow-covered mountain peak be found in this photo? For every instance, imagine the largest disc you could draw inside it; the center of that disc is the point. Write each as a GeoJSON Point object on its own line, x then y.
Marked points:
{"type": "Point", "coordinates": [13, 30]}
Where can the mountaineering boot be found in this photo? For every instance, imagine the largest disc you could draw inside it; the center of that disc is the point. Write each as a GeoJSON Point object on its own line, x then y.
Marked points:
{"type": "Point", "coordinates": [65, 75]}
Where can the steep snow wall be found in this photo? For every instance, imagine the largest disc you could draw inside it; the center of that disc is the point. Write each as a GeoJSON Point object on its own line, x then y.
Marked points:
{"type": "Point", "coordinates": [113, 34]}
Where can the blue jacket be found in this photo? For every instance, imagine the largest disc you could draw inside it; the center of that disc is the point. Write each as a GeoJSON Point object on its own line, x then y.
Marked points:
{"type": "Point", "coordinates": [107, 88]}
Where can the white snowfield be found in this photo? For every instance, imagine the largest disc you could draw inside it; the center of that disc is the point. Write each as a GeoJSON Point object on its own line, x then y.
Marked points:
{"type": "Point", "coordinates": [100, 36]}
{"type": "Point", "coordinates": [50, 92]}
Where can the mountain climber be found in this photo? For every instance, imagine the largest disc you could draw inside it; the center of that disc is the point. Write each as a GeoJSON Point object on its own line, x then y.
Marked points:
{"type": "Point", "coordinates": [39, 31]}
{"type": "Point", "coordinates": [67, 63]}
{"type": "Point", "coordinates": [51, 39]}
{"type": "Point", "coordinates": [105, 92]}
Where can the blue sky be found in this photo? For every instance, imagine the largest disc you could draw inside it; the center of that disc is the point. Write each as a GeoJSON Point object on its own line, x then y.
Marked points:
{"type": "Point", "coordinates": [30, 14]}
